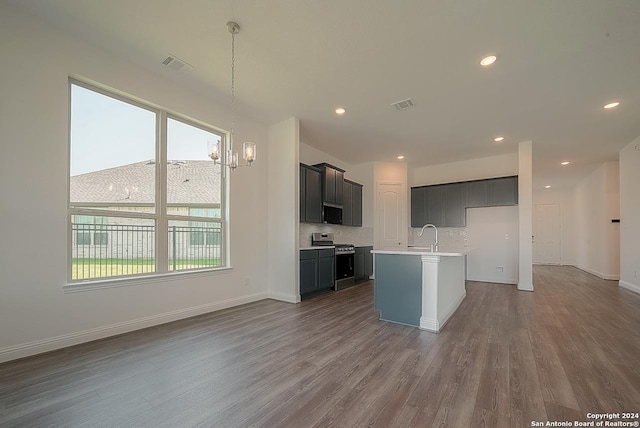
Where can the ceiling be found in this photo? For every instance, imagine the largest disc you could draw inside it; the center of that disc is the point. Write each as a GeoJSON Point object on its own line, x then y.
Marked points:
{"type": "Point", "coordinates": [558, 63]}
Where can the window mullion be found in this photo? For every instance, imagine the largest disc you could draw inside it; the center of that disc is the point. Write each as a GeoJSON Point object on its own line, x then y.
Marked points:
{"type": "Point", "coordinates": [162, 224]}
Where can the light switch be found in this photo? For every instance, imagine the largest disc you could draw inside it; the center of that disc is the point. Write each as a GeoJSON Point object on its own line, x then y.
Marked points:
{"type": "Point", "coordinates": [506, 236]}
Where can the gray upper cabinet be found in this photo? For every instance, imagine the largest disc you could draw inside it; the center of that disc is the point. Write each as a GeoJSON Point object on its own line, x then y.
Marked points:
{"type": "Point", "coordinates": [332, 184]}
{"type": "Point", "coordinates": [444, 205]}
{"type": "Point", "coordinates": [503, 191]}
{"type": "Point", "coordinates": [454, 199]}
{"type": "Point", "coordinates": [352, 204]}
{"type": "Point", "coordinates": [477, 193]}
{"type": "Point", "coordinates": [310, 194]}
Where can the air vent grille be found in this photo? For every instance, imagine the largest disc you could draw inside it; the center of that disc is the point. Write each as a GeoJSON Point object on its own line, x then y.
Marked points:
{"type": "Point", "coordinates": [175, 63]}
{"type": "Point", "coordinates": [404, 104]}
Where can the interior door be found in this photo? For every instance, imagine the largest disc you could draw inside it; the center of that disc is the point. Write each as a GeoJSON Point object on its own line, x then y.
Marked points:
{"type": "Point", "coordinates": [391, 217]}
{"type": "Point", "coordinates": [546, 234]}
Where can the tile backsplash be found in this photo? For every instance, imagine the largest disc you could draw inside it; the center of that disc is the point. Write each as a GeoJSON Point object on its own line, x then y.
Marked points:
{"type": "Point", "coordinates": [448, 237]}
{"type": "Point", "coordinates": [360, 236]}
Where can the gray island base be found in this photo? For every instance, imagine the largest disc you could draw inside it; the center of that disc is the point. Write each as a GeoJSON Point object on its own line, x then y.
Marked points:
{"type": "Point", "coordinates": [417, 287]}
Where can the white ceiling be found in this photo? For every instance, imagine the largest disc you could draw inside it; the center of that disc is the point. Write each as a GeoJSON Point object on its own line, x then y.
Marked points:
{"type": "Point", "coordinates": [559, 62]}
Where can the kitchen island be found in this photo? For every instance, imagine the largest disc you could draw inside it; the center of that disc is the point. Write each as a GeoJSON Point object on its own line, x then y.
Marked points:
{"type": "Point", "coordinates": [418, 287]}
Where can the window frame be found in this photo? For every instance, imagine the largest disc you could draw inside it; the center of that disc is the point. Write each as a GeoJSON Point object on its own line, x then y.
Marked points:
{"type": "Point", "coordinates": [159, 216]}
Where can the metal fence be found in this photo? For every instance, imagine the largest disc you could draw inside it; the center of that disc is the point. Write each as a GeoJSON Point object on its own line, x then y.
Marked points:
{"type": "Point", "coordinates": [105, 250]}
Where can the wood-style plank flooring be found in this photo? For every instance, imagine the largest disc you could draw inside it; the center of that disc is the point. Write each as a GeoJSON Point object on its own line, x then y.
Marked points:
{"type": "Point", "coordinates": [505, 359]}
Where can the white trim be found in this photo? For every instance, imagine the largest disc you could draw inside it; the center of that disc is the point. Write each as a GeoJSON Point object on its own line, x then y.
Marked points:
{"type": "Point", "coordinates": [435, 325]}
{"type": "Point", "coordinates": [284, 297]}
{"type": "Point", "coordinates": [629, 286]}
{"type": "Point", "coordinates": [65, 340]}
{"type": "Point", "coordinates": [509, 281]}
{"type": "Point", "coordinates": [606, 276]}
{"type": "Point", "coordinates": [130, 281]}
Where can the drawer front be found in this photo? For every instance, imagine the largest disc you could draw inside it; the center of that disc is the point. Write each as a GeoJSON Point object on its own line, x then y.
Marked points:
{"type": "Point", "coordinates": [309, 254]}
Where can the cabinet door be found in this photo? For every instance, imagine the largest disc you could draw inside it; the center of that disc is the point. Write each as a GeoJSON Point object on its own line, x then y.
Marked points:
{"type": "Point", "coordinates": [308, 275]}
{"type": "Point", "coordinates": [347, 211]}
{"type": "Point", "coordinates": [368, 262]}
{"type": "Point", "coordinates": [418, 215]}
{"type": "Point", "coordinates": [434, 206]}
{"type": "Point", "coordinates": [358, 265]}
{"type": "Point", "coordinates": [326, 273]}
{"type": "Point", "coordinates": [454, 205]}
{"type": "Point", "coordinates": [477, 194]}
{"type": "Point", "coordinates": [303, 193]}
{"type": "Point", "coordinates": [313, 209]}
{"type": "Point", "coordinates": [329, 185]}
{"type": "Point", "coordinates": [503, 191]}
{"type": "Point", "coordinates": [339, 187]}
{"type": "Point", "coordinates": [356, 201]}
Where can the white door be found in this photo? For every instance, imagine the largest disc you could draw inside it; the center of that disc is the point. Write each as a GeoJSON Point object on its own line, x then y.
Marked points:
{"type": "Point", "coordinates": [546, 234]}
{"type": "Point", "coordinates": [391, 215]}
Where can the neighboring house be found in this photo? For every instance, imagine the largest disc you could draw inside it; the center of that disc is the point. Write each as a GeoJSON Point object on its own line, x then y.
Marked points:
{"type": "Point", "coordinates": [193, 189]}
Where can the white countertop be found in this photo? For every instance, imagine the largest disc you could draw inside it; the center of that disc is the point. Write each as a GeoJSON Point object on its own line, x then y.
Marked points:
{"type": "Point", "coordinates": [318, 247]}
{"type": "Point", "coordinates": [423, 251]}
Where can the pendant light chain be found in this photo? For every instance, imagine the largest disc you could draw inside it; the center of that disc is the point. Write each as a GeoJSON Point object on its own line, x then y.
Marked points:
{"type": "Point", "coordinates": [233, 88]}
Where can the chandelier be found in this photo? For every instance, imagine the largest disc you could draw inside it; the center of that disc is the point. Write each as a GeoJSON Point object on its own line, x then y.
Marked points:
{"type": "Point", "coordinates": [248, 148]}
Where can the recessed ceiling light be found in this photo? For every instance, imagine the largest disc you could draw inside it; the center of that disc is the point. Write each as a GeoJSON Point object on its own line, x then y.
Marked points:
{"type": "Point", "coordinates": [488, 60]}
{"type": "Point", "coordinates": [612, 105]}
{"type": "Point", "coordinates": [565, 163]}
{"type": "Point", "coordinates": [547, 187]}
{"type": "Point", "coordinates": [400, 157]}
{"type": "Point", "coordinates": [498, 139]}
{"type": "Point", "coordinates": [340, 110]}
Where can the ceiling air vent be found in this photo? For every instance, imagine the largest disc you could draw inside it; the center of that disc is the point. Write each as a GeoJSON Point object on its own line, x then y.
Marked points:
{"type": "Point", "coordinates": [404, 104]}
{"type": "Point", "coordinates": [175, 63]}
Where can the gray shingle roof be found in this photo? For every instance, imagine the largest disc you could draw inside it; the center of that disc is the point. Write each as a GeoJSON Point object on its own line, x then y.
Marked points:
{"type": "Point", "coordinates": [189, 183]}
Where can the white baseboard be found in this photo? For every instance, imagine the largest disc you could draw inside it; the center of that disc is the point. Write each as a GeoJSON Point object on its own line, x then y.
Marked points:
{"type": "Point", "coordinates": [435, 325]}
{"type": "Point", "coordinates": [65, 340]}
{"type": "Point", "coordinates": [496, 280]}
{"type": "Point", "coordinates": [284, 297]}
{"type": "Point", "coordinates": [606, 276]}
{"type": "Point", "coordinates": [629, 286]}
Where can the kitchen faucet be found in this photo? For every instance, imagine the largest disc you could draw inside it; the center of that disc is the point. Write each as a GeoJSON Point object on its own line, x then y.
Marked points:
{"type": "Point", "coordinates": [434, 246]}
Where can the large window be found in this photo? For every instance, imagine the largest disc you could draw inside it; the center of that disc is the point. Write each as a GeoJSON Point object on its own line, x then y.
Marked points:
{"type": "Point", "coordinates": [144, 197]}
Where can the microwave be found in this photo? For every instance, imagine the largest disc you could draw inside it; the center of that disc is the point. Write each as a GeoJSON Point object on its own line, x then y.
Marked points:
{"type": "Point", "coordinates": [331, 215]}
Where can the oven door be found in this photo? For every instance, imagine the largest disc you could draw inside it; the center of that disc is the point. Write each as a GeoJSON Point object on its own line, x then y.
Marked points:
{"type": "Point", "coordinates": [344, 270]}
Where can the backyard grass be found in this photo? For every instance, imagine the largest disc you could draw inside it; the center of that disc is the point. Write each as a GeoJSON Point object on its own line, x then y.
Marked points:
{"type": "Point", "coordinates": [92, 268]}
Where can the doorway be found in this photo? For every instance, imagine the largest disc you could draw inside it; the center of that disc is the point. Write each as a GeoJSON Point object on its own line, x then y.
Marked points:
{"type": "Point", "coordinates": [391, 216]}
{"type": "Point", "coordinates": [546, 234]}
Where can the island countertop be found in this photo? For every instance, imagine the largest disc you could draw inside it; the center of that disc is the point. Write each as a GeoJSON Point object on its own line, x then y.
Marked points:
{"type": "Point", "coordinates": [423, 251]}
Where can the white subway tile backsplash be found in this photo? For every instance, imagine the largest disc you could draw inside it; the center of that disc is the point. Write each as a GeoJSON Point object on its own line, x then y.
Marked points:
{"type": "Point", "coordinates": [448, 237]}
{"type": "Point", "coordinates": [359, 236]}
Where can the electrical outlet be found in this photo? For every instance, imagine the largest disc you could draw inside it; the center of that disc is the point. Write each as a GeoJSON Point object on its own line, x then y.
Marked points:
{"type": "Point", "coordinates": [499, 268]}
{"type": "Point", "coordinates": [506, 236]}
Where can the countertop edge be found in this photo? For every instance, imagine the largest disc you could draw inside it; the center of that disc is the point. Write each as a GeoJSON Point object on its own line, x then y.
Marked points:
{"type": "Point", "coordinates": [421, 253]}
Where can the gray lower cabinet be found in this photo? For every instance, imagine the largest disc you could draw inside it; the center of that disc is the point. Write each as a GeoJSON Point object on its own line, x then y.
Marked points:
{"type": "Point", "coordinates": [310, 194]}
{"type": "Point", "coordinates": [444, 205]}
{"type": "Point", "coordinates": [352, 204]}
{"type": "Point", "coordinates": [317, 271]}
{"type": "Point", "coordinates": [363, 263]}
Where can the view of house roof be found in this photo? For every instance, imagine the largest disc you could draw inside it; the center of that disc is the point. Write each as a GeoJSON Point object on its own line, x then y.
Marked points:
{"type": "Point", "coordinates": [188, 182]}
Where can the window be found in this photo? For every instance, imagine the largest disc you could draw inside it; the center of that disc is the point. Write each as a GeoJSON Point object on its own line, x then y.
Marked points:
{"type": "Point", "coordinates": [140, 201]}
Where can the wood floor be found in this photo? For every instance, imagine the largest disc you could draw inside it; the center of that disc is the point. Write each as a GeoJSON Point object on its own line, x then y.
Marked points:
{"type": "Point", "coordinates": [505, 359]}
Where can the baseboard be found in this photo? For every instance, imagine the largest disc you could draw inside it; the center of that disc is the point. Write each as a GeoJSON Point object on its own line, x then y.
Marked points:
{"type": "Point", "coordinates": [435, 325]}
{"type": "Point", "coordinates": [629, 286]}
{"type": "Point", "coordinates": [510, 281]}
{"type": "Point", "coordinates": [65, 340]}
{"type": "Point", "coordinates": [284, 297]}
{"type": "Point", "coordinates": [606, 276]}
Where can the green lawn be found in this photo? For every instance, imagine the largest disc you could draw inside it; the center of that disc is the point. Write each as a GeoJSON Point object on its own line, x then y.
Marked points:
{"type": "Point", "coordinates": [91, 268]}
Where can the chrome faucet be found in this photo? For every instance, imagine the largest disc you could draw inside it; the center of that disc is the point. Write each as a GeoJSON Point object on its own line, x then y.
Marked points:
{"type": "Point", "coordinates": [434, 246]}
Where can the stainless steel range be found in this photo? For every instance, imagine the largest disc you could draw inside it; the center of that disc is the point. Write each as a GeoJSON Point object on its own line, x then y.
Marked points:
{"type": "Point", "coordinates": [345, 255]}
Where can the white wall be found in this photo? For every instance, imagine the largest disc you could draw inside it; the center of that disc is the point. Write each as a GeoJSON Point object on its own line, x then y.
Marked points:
{"type": "Point", "coordinates": [596, 202]}
{"type": "Point", "coordinates": [475, 169]}
{"type": "Point", "coordinates": [525, 215]}
{"type": "Point", "coordinates": [630, 216]}
{"type": "Point", "coordinates": [284, 211]}
{"type": "Point", "coordinates": [492, 234]}
{"type": "Point", "coordinates": [563, 197]}
{"type": "Point", "coordinates": [35, 314]}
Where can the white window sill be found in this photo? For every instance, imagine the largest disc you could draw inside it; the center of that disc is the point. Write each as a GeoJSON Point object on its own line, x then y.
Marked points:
{"type": "Point", "coordinates": [100, 284]}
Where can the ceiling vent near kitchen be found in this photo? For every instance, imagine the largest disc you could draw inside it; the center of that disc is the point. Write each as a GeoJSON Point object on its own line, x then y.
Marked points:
{"type": "Point", "coordinates": [175, 63]}
{"type": "Point", "coordinates": [404, 104]}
